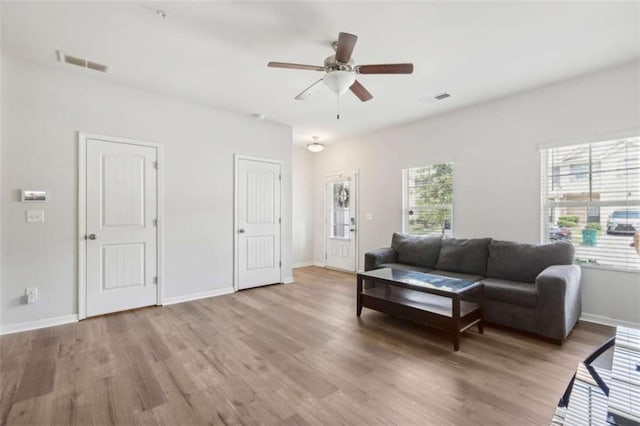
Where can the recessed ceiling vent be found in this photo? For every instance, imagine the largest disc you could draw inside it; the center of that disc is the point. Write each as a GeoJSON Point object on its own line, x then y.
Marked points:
{"type": "Point", "coordinates": [433, 98]}
{"type": "Point", "coordinates": [81, 62]}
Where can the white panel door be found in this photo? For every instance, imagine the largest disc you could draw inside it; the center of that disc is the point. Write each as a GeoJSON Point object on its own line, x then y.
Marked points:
{"type": "Point", "coordinates": [121, 196]}
{"type": "Point", "coordinates": [258, 223]}
{"type": "Point", "coordinates": [340, 221]}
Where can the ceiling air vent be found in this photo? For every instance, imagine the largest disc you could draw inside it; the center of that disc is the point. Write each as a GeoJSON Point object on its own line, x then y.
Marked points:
{"type": "Point", "coordinates": [433, 98]}
{"type": "Point", "coordinates": [81, 62]}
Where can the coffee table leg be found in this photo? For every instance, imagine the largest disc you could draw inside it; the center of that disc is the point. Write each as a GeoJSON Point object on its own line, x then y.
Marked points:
{"type": "Point", "coordinates": [359, 296]}
{"type": "Point", "coordinates": [455, 319]}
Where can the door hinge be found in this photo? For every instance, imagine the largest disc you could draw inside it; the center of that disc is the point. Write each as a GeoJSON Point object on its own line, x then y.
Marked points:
{"type": "Point", "coordinates": [155, 280]}
{"type": "Point", "coordinates": [280, 220]}
{"type": "Point", "coordinates": [280, 263]}
{"type": "Point", "coordinates": [155, 165]}
{"type": "Point", "coordinates": [279, 176]}
{"type": "Point", "coordinates": [155, 222]}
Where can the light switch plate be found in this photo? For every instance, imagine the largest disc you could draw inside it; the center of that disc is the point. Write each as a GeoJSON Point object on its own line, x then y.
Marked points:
{"type": "Point", "coordinates": [369, 216]}
{"type": "Point", "coordinates": [30, 196]}
{"type": "Point", "coordinates": [35, 216]}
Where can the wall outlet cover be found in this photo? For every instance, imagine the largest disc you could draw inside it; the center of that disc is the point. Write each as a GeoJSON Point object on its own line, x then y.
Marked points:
{"type": "Point", "coordinates": [35, 216]}
{"type": "Point", "coordinates": [31, 294]}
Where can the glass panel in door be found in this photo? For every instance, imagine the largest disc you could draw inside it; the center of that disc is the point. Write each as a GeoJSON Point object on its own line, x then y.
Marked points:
{"type": "Point", "coordinates": [341, 218]}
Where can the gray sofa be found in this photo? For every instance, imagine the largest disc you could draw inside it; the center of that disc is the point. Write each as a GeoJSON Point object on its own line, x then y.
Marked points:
{"type": "Point", "coordinates": [534, 288]}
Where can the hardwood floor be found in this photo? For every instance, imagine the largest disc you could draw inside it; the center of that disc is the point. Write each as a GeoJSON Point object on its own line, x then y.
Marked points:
{"type": "Point", "coordinates": [291, 354]}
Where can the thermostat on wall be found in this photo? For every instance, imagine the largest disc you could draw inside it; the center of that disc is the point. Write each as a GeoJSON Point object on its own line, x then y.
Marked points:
{"type": "Point", "coordinates": [34, 196]}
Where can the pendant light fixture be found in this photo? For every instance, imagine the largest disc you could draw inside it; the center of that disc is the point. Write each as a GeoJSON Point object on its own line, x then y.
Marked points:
{"type": "Point", "coordinates": [315, 146]}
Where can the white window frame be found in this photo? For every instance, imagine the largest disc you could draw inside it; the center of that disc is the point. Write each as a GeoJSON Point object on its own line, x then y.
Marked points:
{"type": "Point", "coordinates": [406, 208]}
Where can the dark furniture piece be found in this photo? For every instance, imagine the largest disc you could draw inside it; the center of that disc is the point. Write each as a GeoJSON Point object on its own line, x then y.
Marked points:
{"type": "Point", "coordinates": [429, 299]}
{"type": "Point", "coordinates": [605, 390]}
{"type": "Point", "coordinates": [534, 288]}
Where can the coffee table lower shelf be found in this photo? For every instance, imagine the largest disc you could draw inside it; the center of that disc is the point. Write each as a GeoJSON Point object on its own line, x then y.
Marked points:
{"type": "Point", "coordinates": [428, 309]}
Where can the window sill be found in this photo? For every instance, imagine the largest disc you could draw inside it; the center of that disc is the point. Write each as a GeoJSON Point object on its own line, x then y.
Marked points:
{"type": "Point", "coordinates": [608, 268]}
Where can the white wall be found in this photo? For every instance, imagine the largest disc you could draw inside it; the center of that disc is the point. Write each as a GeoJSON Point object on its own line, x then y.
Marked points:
{"type": "Point", "coordinates": [496, 175]}
{"type": "Point", "coordinates": [302, 206]}
{"type": "Point", "coordinates": [42, 111]}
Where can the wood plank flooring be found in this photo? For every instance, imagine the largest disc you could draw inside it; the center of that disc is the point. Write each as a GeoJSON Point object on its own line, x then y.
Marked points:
{"type": "Point", "coordinates": [291, 354]}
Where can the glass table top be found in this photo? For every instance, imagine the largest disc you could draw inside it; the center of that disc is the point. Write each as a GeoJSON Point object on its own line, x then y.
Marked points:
{"type": "Point", "coordinates": [420, 279]}
{"type": "Point", "coordinates": [609, 393]}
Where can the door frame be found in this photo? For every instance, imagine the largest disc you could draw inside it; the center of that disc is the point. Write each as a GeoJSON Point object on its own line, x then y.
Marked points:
{"type": "Point", "coordinates": [82, 214]}
{"type": "Point", "coordinates": [325, 207]}
{"type": "Point", "coordinates": [236, 159]}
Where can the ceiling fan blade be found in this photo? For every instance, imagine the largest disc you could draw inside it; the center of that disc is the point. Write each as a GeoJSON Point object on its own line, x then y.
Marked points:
{"type": "Point", "coordinates": [344, 49]}
{"type": "Point", "coordinates": [295, 66]}
{"type": "Point", "coordinates": [385, 69]}
{"type": "Point", "coordinates": [306, 92]}
{"type": "Point", "coordinates": [359, 90]}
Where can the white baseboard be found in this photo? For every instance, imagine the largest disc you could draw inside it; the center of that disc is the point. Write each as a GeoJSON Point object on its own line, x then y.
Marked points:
{"type": "Point", "coordinates": [287, 280]}
{"type": "Point", "coordinates": [600, 319]}
{"type": "Point", "coordinates": [34, 325]}
{"type": "Point", "coordinates": [196, 296]}
{"type": "Point", "coordinates": [310, 263]}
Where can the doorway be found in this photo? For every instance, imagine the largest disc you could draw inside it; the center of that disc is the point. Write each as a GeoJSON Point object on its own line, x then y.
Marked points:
{"type": "Point", "coordinates": [341, 221]}
{"type": "Point", "coordinates": [119, 256]}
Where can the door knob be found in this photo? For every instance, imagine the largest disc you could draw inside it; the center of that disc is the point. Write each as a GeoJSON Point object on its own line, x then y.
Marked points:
{"type": "Point", "coordinates": [92, 237]}
{"type": "Point", "coordinates": [240, 231]}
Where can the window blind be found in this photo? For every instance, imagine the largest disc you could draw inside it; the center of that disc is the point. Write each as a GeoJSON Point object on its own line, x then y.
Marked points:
{"type": "Point", "coordinates": [591, 197]}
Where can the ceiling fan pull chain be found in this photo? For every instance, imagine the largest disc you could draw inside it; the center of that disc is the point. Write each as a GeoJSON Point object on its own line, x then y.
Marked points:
{"type": "Point", "coordinates": [338, 107]}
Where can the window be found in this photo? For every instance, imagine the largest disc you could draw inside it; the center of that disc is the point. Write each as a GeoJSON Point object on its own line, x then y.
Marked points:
{"type": "Point", "coordinates": [427, 200]}
{"type": "Point", "coordinates": [591, 196]}
{"type": "Point", "coordinates": [341, 221]}
{"type": "Point", "coordinates": [579, 171]}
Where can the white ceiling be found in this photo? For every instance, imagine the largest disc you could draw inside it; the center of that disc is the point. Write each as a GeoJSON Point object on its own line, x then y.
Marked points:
{"type": "Point", "coordinates": [216, 52]}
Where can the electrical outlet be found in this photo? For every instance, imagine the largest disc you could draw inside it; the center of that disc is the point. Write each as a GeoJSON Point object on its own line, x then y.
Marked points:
{"type": "Point", "coordinates": [32, 294]}
{"type": "Point", "coordinates": [35, 216]}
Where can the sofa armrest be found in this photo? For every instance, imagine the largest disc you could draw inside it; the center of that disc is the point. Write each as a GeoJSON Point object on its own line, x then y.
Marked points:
{"type": "Point", "coordinates": [559, 302]}
{"type": "Point", "coordinates": [375, 258]}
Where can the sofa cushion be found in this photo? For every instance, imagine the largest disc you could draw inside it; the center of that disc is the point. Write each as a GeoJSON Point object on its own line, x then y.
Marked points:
{"type": "Point", "coordinates": [418, 251]}
{"type": "Point", "coordinates": [458, 275]}
{"type": "Point", "coordinates": [523, 262]}
{"type": "Point", "coordinates": [468, 256]}
{"type": "Point", "coordinates": [511, 292]}
{"type": "Point", "coordinates": [405, 267]}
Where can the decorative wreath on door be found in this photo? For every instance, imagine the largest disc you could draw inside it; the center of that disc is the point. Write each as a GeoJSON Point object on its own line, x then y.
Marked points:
{"type": "Point", "coordinates": [342, 197]}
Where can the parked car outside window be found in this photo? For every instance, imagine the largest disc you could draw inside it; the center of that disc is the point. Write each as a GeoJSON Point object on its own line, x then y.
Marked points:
{"type": "Point", "coordinates": [623, 222]}
{"type": "Point", "coordinates": [557, 233]}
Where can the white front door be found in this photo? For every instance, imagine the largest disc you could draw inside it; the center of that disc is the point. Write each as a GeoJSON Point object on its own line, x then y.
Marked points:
{"type": "Point", "coordinates": [258, 222]}
{"type": "Point", "coordinates": [341, 217]}
{"type": "Point", "coordinates": [121, 213]}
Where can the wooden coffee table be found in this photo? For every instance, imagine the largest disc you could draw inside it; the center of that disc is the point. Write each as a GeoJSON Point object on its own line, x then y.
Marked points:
{"type": "Point", "coordinates": [429, 299]}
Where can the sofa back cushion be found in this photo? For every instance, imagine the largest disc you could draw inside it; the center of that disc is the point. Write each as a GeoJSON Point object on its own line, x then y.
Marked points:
{"type": "Point", "coordinates": [523, 262]}
{"type": "Point", "coordinates": [417, 251]}
{"type": "Point", "coordinates": [468, 256]}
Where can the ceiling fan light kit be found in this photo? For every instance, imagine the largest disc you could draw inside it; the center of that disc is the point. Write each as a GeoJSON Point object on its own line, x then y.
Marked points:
{"type": "Point", "coordinates": [339, 81]}
{"type": "Point", "coordinates": [341, 70]}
